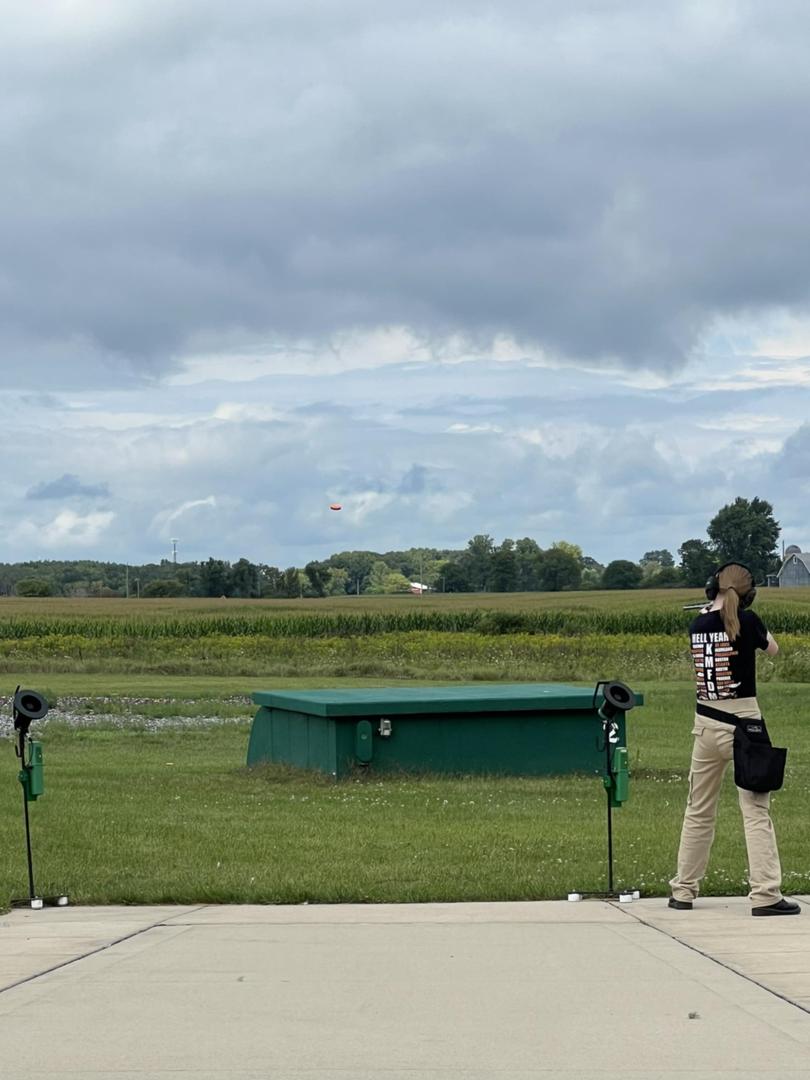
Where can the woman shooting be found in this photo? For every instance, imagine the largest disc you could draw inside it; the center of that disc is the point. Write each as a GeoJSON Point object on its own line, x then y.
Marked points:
{"type": "Point", "coordinates": [725, 638]}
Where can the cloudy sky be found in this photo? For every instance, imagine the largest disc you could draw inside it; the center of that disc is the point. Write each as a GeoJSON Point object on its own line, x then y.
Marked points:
{"type": "Point", "coordinates": [529, 268]}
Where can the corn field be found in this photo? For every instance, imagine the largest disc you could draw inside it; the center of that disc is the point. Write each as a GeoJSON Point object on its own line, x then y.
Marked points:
{"type": "Point", "coordinates": [566, 637]}
{"type": "Point", "coordinates": [566, 614]}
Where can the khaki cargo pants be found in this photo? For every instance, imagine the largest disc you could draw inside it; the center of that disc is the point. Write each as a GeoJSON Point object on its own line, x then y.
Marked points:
{"type": "Point", "coordinates": [713, 750]}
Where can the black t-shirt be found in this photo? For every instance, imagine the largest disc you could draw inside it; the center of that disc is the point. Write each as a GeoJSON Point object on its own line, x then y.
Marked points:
{"type": "Point", "coordinates": [726, 670]}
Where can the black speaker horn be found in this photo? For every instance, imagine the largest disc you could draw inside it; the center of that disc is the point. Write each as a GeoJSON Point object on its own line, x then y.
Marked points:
{"type": "Point", "coordinates": [28, 706]}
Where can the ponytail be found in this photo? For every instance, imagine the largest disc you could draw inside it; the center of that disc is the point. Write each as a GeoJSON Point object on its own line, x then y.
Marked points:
{"type": "Point", "coordinates": [734, 581]}
{"type": "Point", "coordinates": [730, 613]}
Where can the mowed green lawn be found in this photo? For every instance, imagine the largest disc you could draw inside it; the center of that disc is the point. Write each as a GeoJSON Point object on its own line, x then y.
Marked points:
{"type": "Point", "coordinates": [133, 816]}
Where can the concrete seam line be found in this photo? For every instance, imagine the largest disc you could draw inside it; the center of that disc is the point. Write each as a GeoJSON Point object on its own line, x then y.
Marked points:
{"type": "Point", "coordinates": [92, 952]}
{"type": "Point", "coordinates": [714, 960]}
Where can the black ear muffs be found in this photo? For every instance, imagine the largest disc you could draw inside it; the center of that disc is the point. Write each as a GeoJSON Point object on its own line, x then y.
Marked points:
{"type": "Point", "coordinates": [713, 585]}
{"type": "Point", "coordinates": [747, 600]}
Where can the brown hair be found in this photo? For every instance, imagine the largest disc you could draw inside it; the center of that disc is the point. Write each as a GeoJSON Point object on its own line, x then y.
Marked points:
{"type": "Point", "coordinates": [734, 581]}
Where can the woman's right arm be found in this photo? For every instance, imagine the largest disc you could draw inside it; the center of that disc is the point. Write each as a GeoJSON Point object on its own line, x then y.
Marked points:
{"type": "Point", "coordinates": [771, 648]}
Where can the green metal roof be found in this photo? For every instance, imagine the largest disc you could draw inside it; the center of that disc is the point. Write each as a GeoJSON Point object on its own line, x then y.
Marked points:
{"type": "Point", "coordinates": [396, 700]}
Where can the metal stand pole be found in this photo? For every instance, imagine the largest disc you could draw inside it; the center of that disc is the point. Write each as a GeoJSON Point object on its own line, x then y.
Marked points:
{"type": "Point", "coordinates": [610, 843]}
{"type": "Point", "coordinates": [608, 767]}
{"type": "Point", "coordinates": [31, 891]}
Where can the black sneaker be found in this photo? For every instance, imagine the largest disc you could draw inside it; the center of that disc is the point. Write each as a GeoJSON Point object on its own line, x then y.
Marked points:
{"type": "Point", "coordinates": [680, 905]}
{"type": "Point", "coordinates": [782, 907]}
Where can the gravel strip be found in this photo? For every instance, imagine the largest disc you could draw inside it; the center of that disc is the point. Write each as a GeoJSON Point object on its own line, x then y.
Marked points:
{"type": "Point", "coordinates": [82, 712]}
{"type": "Point", "coordinates": [132, 722]}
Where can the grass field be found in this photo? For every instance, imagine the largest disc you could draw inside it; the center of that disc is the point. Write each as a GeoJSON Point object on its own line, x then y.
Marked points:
{"type": "Point", "coordinates": [162, 809]}
{"type": "Point", "coordinates": [148, 799]}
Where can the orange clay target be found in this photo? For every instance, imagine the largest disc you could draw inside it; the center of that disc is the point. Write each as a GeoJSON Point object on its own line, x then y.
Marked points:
{"type": "Point", "coordinates": [335, 506]}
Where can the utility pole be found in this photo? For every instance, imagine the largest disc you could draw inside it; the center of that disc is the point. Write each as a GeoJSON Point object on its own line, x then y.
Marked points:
{"type": "Point", "coordinates": [126, 578]}
{"type": "Point", "coordinates": [174, 550]}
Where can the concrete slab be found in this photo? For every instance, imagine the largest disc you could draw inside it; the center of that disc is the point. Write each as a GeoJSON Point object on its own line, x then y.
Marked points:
{"type": "Point", "coordinates": [423, 992]}
{"type": "Point", "coordinates": [33, 942]}
{"type": "Point", "coordinates": [554, 911]}
{"type": "Point", "coordinates": [774, 953]}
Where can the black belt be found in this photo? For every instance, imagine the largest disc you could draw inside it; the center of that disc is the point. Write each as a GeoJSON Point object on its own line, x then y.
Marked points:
{"type": "Point", "coordinates": [717, 714]}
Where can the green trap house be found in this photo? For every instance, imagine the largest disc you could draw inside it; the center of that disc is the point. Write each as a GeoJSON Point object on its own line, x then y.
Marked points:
{"type": "Point", "coordinates": [520, 729]}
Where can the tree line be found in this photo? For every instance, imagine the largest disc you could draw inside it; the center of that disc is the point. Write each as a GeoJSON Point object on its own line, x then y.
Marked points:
{"type": "Point", "coordinates": [744, 530]}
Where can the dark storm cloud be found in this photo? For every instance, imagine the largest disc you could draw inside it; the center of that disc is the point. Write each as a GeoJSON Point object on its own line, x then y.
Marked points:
{"type": "Point", "coordinates": [65, 487]}
{"type": "Point", "coordinates": [598, 179]}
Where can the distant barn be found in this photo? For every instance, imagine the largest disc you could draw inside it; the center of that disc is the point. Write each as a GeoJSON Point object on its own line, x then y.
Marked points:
{"type": "Point", "coordinates": [795, 570]}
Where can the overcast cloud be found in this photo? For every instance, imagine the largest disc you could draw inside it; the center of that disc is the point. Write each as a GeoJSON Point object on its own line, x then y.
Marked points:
{"type": "Point", "coordinates": [527, 268]}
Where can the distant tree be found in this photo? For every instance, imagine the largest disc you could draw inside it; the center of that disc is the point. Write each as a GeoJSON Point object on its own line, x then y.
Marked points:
{"type": "Point", "coordinates": [477, 560]}
{"type": "Point", "coordinates": [454, 577]}
{"type": "Point", "coordinates": [621, 574]}
{"type": "Point", "coordinates": [270, 580]}
{"type": "Point", "coordinates": [528, 557]}
{"type": "Point", "coordinates": [697, 562]}
{"type": "Point", "coordinates": [414, 563]}
{"type": "Point", "coordinates": [318, 575]}
{"type": "Point", "coordinates": [304, 587]}
{"type": "Point", "coordinates": [189, 575]}
{"type": "Point", "coordinates": [337, 581]}
{"type": "Point", "coordinates": [290, 585]}
{"type": "Point", "coordinates": [33, 587]}
{"type": "Point", "coordinates": [560, 569]}
{"type": "Point", "coordinates": [214, 577]}
{"type": "Point", "coordinates": [242, 580]}
{"type": "Point", "coordinates": [396, 583]}
{"type": "Point", "coordinates": [591, 573]}
{"type": "Point", "coordinates": [503, 577]}
{"type": "Point", "coordinates": [665, 577]}
{"type": "Point", "coordinates": [591, 578]}
{"type": "Point", "coordinates": [357, 564]}
{"type": "Point", "coordinates": [432, 573]}
{"type": "Point", "coordinates": [164, 587]}
{"type": "Point", "coordinates": [746, 531]}
{"type": "Point", "coordinates": [564, 545]}
{"type": "Point", "coordinates": [376, 579]}
{"type": "Point", "coordinates": [661, 557]}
